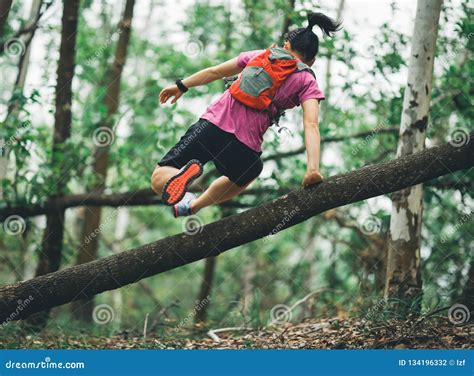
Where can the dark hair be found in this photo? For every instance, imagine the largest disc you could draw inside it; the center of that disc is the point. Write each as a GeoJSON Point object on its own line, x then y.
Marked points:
{"type": "Point", "coordinates": [304, 41]}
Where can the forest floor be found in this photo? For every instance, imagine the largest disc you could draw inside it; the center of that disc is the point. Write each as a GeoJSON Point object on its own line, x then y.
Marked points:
{"type": "Point", "coordinates": [312, 334]}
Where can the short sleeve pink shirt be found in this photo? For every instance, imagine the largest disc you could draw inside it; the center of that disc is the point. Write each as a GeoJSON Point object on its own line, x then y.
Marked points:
{"type": "Point", "coordinates": [249, 125]}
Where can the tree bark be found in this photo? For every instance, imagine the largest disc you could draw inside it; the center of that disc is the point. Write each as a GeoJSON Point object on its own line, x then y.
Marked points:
{"type": "Point", "coordinates": [403, 278]}
{"type": "Point", "coordinates": [87, 251]}
{"type": "Point", "coordinates": [5, 6]}
{"type": "Point", "coordinates": [51, 244]}
{"type": "Point", "coordinates": [87, 280]}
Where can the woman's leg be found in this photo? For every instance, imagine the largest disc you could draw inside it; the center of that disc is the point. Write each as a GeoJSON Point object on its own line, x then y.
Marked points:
{"type": "Point", "coordinates": [189, 147]}
{"type": "Point", "coordinates": [160, 176]}
{"type": "Point", "coordinates": [221, 189]}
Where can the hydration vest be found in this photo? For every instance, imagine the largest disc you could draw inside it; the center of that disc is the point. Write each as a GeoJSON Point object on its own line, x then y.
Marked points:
{"type": "Point", "coordinates": [258, 83]}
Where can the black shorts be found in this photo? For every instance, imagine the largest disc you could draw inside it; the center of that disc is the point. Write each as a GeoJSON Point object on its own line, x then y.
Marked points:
{"type": "Point", "coordinates": [206, 142]}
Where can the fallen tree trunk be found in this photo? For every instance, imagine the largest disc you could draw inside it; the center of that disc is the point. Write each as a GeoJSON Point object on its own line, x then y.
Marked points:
{"type": "Point", "coordinates": [20, 300]}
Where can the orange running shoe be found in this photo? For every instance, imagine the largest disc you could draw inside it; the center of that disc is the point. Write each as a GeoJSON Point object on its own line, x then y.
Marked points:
{"type": "Point", "coordinates": [176, 187]}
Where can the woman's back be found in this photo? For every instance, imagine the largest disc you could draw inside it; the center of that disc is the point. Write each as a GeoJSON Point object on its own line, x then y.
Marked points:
{"type": "Point", "coordinates": [249, 125]}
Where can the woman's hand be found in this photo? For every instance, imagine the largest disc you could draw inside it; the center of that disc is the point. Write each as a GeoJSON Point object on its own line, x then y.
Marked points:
{"type": "Point", "coordinates": [170, 91]}
{"type": "Point", "coordinates": [312, 177]}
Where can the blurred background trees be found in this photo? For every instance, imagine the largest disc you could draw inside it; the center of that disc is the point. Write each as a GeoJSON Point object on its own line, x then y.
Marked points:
{"type": "Point", "coordinates": [335, 262]}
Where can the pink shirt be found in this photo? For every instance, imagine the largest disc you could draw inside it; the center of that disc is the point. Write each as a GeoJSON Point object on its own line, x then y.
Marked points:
{"type": "Point", "coordinates": [249, 125]}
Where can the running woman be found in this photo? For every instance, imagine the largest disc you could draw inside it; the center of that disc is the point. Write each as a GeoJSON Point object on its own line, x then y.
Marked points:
{"type": "Point", "coordinates": [230, 132]}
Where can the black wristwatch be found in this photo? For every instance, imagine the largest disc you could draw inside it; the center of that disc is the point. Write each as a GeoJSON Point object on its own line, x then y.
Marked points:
{"type": "Point", "coordinates": [181, 86]}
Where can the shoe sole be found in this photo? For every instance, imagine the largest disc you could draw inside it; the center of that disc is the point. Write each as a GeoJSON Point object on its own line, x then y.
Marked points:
{"type": "Point", "coordinates": [177, 186]}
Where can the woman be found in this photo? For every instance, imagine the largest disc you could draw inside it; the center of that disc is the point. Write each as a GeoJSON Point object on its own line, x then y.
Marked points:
{"type": "Point", "coordinates": [230, 133]}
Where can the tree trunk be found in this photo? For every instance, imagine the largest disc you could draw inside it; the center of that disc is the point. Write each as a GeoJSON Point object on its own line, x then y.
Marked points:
{"type": "Point", "coordinates": [327, 90]}
{"type": "Point", "coordinates": [51, 244]}
{"type": "Point", "coordinates": [467, 296]}
{"type": "Point", "coordinates": [25, 58]}
{"type": "Point", "coordinates": [29, 257]}
{"type": "Point", "coordinates": [206, 284]}
{"type": "Point", "coordinates": [19, 85]}
{"type": "Point", "coordinates": [87, 251]}
{"type": "Point", "coordinates": [128, 267]}
{"type": "Point", "coordinates": [249, 271]}
{"type": "Point", "coordinates": [287, 20]}
{"type": "Point", "coordinates": [5, 6]}
{"type": "Point", "coordinates": [403, 278]}
{"type": "Point", "coordinates": [309, 258]}
{"type": "Point", "coordinates": [205, 292]}
{"type": "Point", "coordinates": [121, 225]}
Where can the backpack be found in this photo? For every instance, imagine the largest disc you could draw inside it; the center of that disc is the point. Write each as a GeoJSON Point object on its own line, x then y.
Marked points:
{"type": "Point", "coordinates": [258, 83]}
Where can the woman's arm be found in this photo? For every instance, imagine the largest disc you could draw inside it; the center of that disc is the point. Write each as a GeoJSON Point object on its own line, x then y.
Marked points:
{"type": "Point", "coordinates": [312, 141]}
{"type": "Point", "coordinates": [203, 77]}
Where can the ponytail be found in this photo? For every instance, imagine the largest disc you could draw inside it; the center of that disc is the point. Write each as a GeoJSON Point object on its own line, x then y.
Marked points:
{"type": "Point", "coordinates": [326, 24]}
{"type": "Point", "coordinates": [305, 41]}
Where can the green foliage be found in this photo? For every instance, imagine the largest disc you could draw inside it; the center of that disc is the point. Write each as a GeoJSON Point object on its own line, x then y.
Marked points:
{"type": "Point", "coordinates": [366, 94]}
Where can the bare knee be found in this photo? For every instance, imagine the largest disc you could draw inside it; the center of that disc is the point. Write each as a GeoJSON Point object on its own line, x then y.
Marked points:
{"type": "Point", "coordinates": [157, 180]}
{"type": "Point", "coordinates": [160, 176]}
